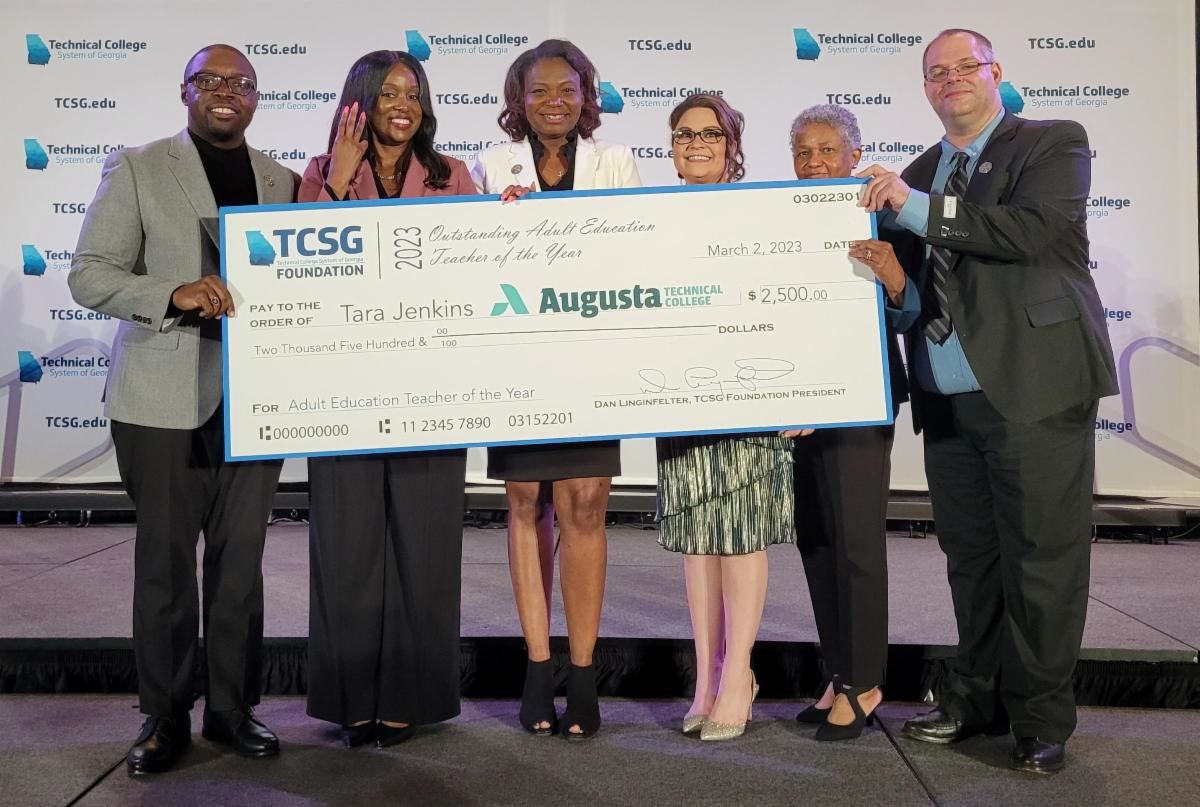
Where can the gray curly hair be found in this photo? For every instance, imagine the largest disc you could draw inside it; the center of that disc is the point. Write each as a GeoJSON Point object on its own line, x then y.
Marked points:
{"type": "Point", "coordinates": [833, 115]}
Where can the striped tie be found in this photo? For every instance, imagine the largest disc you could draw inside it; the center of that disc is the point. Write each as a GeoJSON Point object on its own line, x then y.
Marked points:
{"type": "Point", "coordinates": [939, 326]}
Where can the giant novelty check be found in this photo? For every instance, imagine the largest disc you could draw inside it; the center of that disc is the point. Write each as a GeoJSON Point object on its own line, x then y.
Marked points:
{"type": "Point", "coordinates": [405, 324]}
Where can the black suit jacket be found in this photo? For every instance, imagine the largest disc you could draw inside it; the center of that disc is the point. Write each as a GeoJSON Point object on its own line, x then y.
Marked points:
{"type": "Point", "coordinates": [1021, 295]}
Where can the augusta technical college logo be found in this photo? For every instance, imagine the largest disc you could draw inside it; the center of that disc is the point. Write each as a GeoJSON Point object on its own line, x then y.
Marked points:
{"type": "Point", "coordinates": [585, 303]}
{"type": "Point", "coordinates": [512, 301]}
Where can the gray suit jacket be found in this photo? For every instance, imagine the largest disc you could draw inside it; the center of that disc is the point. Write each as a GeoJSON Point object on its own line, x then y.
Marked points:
{"type": "Point", "coordinates": [152, 228]}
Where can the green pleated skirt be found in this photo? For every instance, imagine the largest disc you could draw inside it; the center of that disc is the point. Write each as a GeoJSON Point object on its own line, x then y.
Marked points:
{"type": "Point", "coordinates": [724, 495]}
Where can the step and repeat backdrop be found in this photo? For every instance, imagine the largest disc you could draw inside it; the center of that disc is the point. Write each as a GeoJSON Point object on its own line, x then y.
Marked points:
{"type": "Point", "coordinates": [86, 77]}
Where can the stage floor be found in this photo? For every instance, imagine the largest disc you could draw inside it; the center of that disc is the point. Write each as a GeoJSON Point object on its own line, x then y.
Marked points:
{"type": "Point", "coordinates": [54, 749]}
{"type": "Point", "coordinates": [67, 582]}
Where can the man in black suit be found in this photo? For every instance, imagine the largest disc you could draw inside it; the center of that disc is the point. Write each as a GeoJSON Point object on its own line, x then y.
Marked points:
{"type": "Point", "coordinates": [1007, 362]}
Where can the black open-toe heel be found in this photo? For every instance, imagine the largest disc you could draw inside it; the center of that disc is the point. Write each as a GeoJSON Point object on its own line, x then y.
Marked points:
{"type": "Point", "coordinates": [583, 705]}
{"type": "Point", "coordinates": [831, 732]}
{"type": "Point", "coordinates": [537, 698]}
{"type": "Point", "coordinates": [813, 714]}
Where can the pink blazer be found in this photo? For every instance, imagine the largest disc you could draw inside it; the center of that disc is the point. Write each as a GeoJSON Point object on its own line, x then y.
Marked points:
{"type": "Point", "coordinates": [312, 187]}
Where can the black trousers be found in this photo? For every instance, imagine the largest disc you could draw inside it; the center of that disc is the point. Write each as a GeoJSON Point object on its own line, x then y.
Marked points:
{"type": "Point", "coordinates": [842, 484]}
{"type": "Point", "coordinates": [1013, 507]}
{"type": "Point", "coordinates": [181, 486]}
{"type": "Point", "coordinates": [385, 570]}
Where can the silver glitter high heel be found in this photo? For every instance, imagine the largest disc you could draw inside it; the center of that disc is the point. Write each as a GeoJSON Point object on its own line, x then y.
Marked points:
{"type": "Point", "coordinates": [693, 723]}
{"type": "Point", "coordinates": [717, 732]}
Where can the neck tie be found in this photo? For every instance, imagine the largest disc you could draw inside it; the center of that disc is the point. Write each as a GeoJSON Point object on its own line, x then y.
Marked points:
{"type": "Point", "coordinates": [939, 326]}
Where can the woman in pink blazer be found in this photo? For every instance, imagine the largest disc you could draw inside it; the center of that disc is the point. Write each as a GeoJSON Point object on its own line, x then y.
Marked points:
{"type": "Point", "coordinates": [385, 536]}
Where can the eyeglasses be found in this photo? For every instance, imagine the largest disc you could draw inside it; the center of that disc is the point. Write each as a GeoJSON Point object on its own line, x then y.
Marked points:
{"type": "Point", "coordinates": [937, 75]}
{"type": "Point", "coordinates": [211, 82]}
{"type": "Point", "coordinates": [682, 137]}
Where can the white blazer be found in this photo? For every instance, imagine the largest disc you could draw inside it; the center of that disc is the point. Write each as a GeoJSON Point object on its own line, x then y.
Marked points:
{"type": "Point", "coordinates": [597, 165]}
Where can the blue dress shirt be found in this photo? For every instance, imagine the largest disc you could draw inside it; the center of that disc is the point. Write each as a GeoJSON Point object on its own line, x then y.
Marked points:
{"type": "Point", "coordinates": [943, 368]}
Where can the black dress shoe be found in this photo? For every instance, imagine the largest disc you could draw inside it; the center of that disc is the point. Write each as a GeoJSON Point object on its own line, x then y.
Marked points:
{"type": "Point", "coordinates": [936, 727]}
{"type": "Point", "coordinates": [386, 736]}
{"type": "Point", "coordinates": [239, 730]}
{"type": "Point", "coordinates": [160, 742]}
{"type": "Point", "coordinates": [1034, 756]}
{"type": "Point", "coordinates": [354, 736]}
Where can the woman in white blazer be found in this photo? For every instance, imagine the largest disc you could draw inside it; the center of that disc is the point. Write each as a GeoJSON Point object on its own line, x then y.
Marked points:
{"type": "Point", "coordinates": [551, 109]}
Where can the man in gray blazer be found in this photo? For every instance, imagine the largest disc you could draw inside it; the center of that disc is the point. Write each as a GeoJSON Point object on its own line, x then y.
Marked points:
{"type": "Point", "coordinates": [1008, 362]}
{"type": "Point", "coordinates": [148, 255]}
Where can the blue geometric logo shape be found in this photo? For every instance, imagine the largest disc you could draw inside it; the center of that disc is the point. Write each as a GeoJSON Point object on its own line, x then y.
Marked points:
{"type": "Point", "coordinates": [610, 99]}
{"type": "Point", "coordinates": [31, 370]}
{"type": "Point", "coordinates": [512, 299]}
{"type": "Point", "coordinates": [32, 260]}
{"type": "Point", "coordinates": [1010, 98]}
{"type": "Point", "coordinates": [36, 158]}
{"type": "Point", "coordinates": [807, 49]}
{"type": "Point", "coordinates": [416, 45]}
{"type": "Point", "coordinates": [261, 251]}
{"type": "Point", "coordinates": [36, 49]}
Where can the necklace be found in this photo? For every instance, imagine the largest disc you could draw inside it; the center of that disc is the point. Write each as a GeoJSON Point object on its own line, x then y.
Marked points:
{"type": "Point", "coordinates": [386, 179]}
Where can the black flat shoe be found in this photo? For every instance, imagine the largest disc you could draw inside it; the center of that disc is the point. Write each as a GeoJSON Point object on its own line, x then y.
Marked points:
{"type": "Point", "coordinates": [158, 745]}
{"type": "Point", "coordinates": [1034, 756]}
{"type": "Point", "coordinates": [537, 699]}
{"type": "Point", "coordinates": [354, 736]}
{"type": "Point", "coordinates": [240, 732]}
{"type": "Point", "coordinates": [833, 732]}
{"type": "Point", "coordinates": [813, 714]}
{"type": "Point", "coordinates": [583, 704]}
{"type": "Point", "coordinates": [386, 736]}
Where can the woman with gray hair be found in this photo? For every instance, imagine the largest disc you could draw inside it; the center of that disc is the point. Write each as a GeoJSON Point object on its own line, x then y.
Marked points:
{"type": "Point", "coordinates": [842, 476]}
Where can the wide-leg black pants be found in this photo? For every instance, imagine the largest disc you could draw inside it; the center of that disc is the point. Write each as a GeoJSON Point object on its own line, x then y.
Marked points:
{"type": "Point", "coordinates": [385, 555]}
{"type": "Point", "coordinates": [1012, 503]}
{"type": "Point", "coordinates": [842, 484]}
{"type": "Point", "coordinates": [181, 486]}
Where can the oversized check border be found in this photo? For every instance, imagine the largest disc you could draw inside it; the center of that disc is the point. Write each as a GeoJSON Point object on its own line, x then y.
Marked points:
{"type": "Point", "coordinates": [535, 197]}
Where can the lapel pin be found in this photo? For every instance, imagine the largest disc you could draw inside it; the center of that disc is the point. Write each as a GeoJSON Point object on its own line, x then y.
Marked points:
{"type": "Point", "coordinates": [518, 168]}
{"type": "Point", "coordinates": [269, 180]}
{"type": "Point", "coordinates": [985, 167]}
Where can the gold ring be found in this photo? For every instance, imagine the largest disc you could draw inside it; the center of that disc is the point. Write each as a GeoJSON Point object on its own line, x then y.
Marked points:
{"type": "Point", "coordinates": [215, 300]}
{"type": "Point", "coordinates": [868, 254]}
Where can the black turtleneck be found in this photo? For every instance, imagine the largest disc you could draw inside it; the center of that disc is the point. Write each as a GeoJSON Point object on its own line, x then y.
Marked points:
{"type": "Point", "coordinates": [229, 172]}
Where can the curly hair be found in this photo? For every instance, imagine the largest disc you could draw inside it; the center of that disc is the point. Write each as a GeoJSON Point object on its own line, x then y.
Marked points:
{"type": "Point", "coordinates": [732, 123]}
{"type": "Point", "coordinates": [512, 118]}
{"type": "Point", "coordinates": [837, 117]}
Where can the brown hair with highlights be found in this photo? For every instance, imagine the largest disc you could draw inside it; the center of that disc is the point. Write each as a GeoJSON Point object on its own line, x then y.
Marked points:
{"type": "Point", "coordinates": [732, 123]}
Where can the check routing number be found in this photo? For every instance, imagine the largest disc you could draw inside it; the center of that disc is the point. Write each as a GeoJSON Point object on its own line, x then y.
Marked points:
{"type": "Point", "coordinates": [457, 321]}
